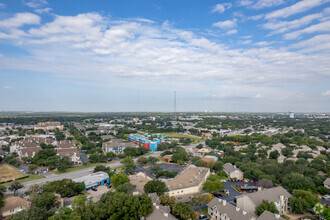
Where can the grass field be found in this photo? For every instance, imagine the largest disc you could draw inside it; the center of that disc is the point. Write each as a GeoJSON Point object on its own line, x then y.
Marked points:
{"type": "Point", "coordinates": [30, 178]}
{"type": "Point", "coordinates": [8, 173]}
{"type": "Point", "coordinates": [176, 135]}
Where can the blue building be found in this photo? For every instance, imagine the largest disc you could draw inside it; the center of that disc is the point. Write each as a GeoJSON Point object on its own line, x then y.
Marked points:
{"type": "Point", "coordinates": [94, 179]}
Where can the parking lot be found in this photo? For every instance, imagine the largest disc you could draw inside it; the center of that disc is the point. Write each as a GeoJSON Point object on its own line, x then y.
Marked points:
{"type": "Point", "coordinates": [96, 195]}
{"type": "Point", "coordinates": [232, 192]}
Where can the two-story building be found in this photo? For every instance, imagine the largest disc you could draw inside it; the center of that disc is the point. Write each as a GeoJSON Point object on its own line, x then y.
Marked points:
{"type": "Point", "coordinates": [117, 146]}
{"type": "Point", "coordinates": [278, 195]}
{"type": "Point", "coordinates": [232, 171]}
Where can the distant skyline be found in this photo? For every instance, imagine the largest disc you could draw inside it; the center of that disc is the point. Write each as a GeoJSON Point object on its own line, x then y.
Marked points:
{"type": "Point", "coordinates": [131, 55]}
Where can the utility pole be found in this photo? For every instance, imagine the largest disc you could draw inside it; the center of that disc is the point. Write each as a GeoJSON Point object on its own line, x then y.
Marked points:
{"type": "Point", "coordinates": [174, 106]}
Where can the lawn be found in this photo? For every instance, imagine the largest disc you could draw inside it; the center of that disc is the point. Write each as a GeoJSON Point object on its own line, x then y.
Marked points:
{"type": "Point", "coordinates": [9, 173]}
{"type": "Point", "coordinates": [176, 135]}
{"type": "Point", "coordinates": [71, 169]}
{"type": "Point", "coordinates": [30, 178]}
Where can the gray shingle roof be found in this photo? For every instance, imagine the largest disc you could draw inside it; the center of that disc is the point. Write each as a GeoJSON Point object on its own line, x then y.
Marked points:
{"type": "Point", "coordinates": [272, 195]}
{"type": "Point", "coordinates": [266, 215]}
{"type": "Point", "coordinates": [327, 181]}
{"type": "Point", "coordinates": [229, 167]}
{"type": "Point", "coordinates": [232, 212]}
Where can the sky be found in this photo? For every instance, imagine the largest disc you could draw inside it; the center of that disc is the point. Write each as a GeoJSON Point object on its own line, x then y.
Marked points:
{"type": "Point", "coordinates": [131, 55]}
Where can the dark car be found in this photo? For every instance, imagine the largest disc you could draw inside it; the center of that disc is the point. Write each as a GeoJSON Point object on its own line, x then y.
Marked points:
{"type": "Point", "coordinates": [202, 217]}
{"type": "Point", "coordinates": [94, 189]}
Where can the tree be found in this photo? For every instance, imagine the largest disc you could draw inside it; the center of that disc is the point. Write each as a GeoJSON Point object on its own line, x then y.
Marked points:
{"type": "Point", "coordinates": [118, 205]}
{"type": "Point", "coordinates": [274, 154]}
{"type": "Point", "coordinates": [297, 181]}
{"type": "Point", "coordinates": [2, 191]}
{"type": "Point", "coordinates": [65, 187]}
{"type": "Point", "coordinates": [129, 164]}
{"type": "Point", "coordinates": [183, 211]}
{"type": "Point", "coordinates": [15, 186]}
{"type": "Point", "coordinates": [152, 160]}
{"type": "Point", "coordinates": [302, 201]}
{"type": "Point", "coordinates": [265, 205]}
{"type": "Point", "coordinates": [200, 146]}
{"type": "Point", "coordinates": [265, 183]}
{"type": "Point", "coordinates": [322, 190]}
{"type": "Point", "coordinates": [198, 200]}
{"type": "Point", "coordinates": [142, 160]}
{"type": "Point", "coordinates": [156, 186]}
{"type": "Point", "coordinates": [126, 188]}
{"type": "Point", "coordinates": [213, 184]}
{"type": "Point", "coordinates": [119, 179]}
{"type": "Point", "coordinates": [167, 200]}
{"type": "Point", "coordinates": [33, 168]}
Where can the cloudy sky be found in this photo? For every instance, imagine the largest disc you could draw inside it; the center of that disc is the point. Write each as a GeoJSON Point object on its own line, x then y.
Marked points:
{"type": "Point", "coordinates": [131, 55]}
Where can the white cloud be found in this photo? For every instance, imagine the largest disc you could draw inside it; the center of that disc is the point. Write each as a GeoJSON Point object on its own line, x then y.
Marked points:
{"type": "Point", "coordinates": [326, 93]}
{"type": "Point", "coordinates": [245, 42]}
{"type": "Point", "coordinates": [35, 3]}
{"type": "Point", "coordinates": [316, 43]}
{"type": "Point", "coordinates": [258, 96]}
{"type": "Point", "coordinates": [245, 2]}
{"type": "Point", "coordinates": [43, 10]}
{"type": "Point", "coordinates": [232, 31]}
{"type": "Point", "coordinates": [19, 20]}
{"type": "Point", "coordinates": [91, 49]}
{"type": "Point", "coordinates": [7, 87]}
{"type": "Point", "coordinates": [220, 8]}
{"type": "Point", "coordinates": [2, 5]}
{"type": "Point", "coordinates": [226, 24]}
{"type": "Point", "coordinates": [320, 27]}
{"type": "Point", "coordinates": [284, 26]}
{"type": "Point", "coordinates": [298, 7]}
{"type": "Point", "coordinates": [264, 43]}
{"type": "Point", "coordinates": [266, 3]}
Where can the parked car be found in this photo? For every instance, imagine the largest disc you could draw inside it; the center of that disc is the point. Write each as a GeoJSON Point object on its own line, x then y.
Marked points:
{"type": "Point", "coordinates": [94, 188]}
{"type": "Point", "coordinates": [202, 217]}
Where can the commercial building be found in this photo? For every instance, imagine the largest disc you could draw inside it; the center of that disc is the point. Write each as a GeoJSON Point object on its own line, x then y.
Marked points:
{"type": "Point", "coordinates": [148, 141]}
{"type": "Point", "coordinates": [94, 179]}
{"type": "Point", "coordinates": [232, 171]}
{"type": "Point", "coordinates": [291, 114]}
{"type": "Point", "coordinates": [278, 195]}
{"type": "Point", "coordinates": [139, 180]}
{"type": "Point", "coordinates": [188, 181]}
{"type": "Point", "coordinates": [14, 205]}
{"type": "Point", "coordinates": [47, 126]}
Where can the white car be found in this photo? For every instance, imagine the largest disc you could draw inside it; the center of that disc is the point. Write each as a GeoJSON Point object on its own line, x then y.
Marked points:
{"type": "Point", "coordinates": [326, 197]}
{"type": "Point", "coordinates": [223, 181]}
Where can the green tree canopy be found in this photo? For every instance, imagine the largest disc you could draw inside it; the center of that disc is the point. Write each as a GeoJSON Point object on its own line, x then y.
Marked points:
{"type": "Point", "coordinates": [265, 205]}
{"type": "Point", "coordinates": [156, 186]}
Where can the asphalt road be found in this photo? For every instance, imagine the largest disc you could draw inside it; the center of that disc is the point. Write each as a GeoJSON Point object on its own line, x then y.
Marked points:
{"type": "Point", "coordinates": [75, 174]}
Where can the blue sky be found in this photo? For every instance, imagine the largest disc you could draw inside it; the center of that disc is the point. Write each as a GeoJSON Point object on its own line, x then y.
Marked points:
{"type": "Point", "coordinates": [131, 55]}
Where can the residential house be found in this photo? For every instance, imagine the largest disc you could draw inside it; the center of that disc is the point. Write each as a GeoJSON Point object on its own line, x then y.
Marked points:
{"type": "Point", "coordinates": [209, 159]}
{"type": "Point", "coordinates": [159, 212]}
{"type": "Point", "coordinates": [266, 215]}
{"type": "Point", "coordinates": [116, 146]}
{"type": "Point", "coordinates": [278, 195]}
{"type": "Point", "coordinates": [232, 171]}
{"type": "Point", "coordinates": [14, 205]}
{"type": "Point", "coordinates": [220, 209]}
{"type": "Point", "coordinates": [326, 183]}
{"type": "Point", "coordinates": [66, 144]}
{"type": "Point", "coordinates": [71, 153]}
{"type": "Point", "coordinates": [189, 181]}
{"type": "Point", "coordinates": [28, 151]}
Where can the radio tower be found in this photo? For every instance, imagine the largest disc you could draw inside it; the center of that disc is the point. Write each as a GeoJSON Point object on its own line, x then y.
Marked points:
{"type": "Point", "coordinates": [174, 105]}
